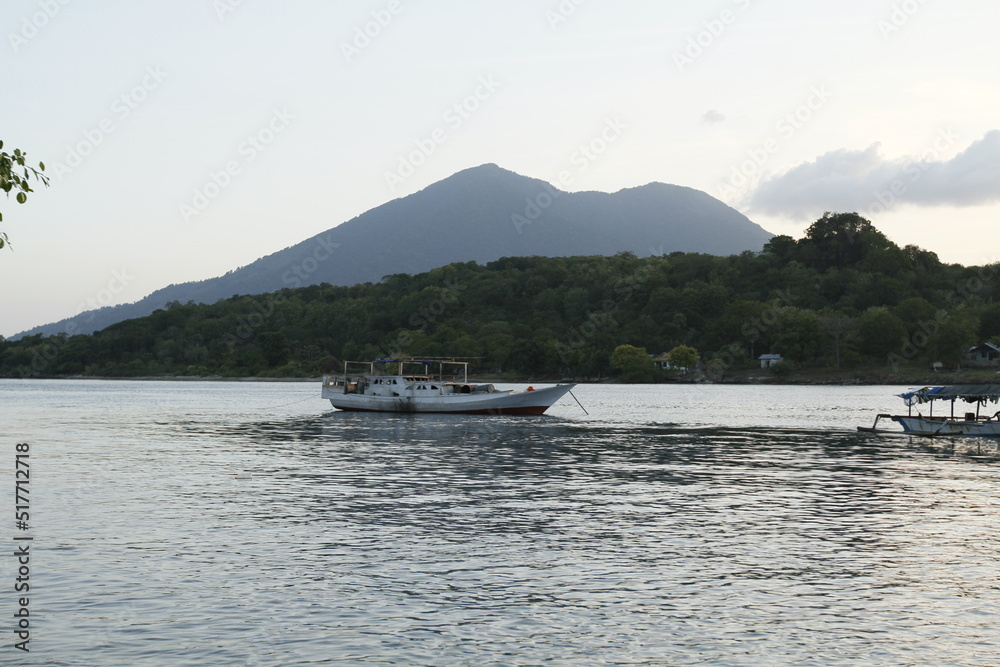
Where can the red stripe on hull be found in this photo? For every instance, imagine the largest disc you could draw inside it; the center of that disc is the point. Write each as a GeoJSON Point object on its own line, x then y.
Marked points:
{"type": "Point", "coordinates": [531, 410]}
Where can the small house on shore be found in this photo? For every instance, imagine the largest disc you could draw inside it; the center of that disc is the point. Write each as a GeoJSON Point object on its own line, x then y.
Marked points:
{"type": "Point", "coordinates": [662, 361]}
{"type": "Point", "coordinates": [768, 360]}
{"type": "Point", "coordinates": [984, 355]}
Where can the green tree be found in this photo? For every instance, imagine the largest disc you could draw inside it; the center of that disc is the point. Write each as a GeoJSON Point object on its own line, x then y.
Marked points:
{"type": "Point", "coordinates": [989, 319]}
{"type": "Point", "coordinates": [921, 260]}
{"type": "Point", "coordinates": [949, 338]}
{"type": "Point", "coordinates": [798, 335]}
{"type": "Point", "coordinates": [781, 249]}
{"type": "Point", "coordinates": [683, 356]}
{"type": "Point", "coordinates": [843, 239]}
{"type": "Point", "coordinates": [274, 347]}
{"type": "Point", "coordinates": [633, 364]}
{"type": "Point", "coordinates": [839, 328]}
{"type": "Point", "coordinates": [533, 356]}
{"type": "Point", "coordinates": [623, 354]}
{"type": "Point", "coordinates": [880, 332]}
{"type": "Point", "coordinates": [915, 312]}
{"type": "Point", "coordinates": [16, 175]}
{"type": "Point", "coordinates": [741, 322]}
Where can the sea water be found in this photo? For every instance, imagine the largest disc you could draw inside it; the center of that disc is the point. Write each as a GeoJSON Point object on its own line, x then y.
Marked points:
{"type": "Point", "coordinates": [245, 523]}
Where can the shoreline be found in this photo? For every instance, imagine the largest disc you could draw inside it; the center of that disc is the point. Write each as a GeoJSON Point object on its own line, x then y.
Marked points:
{"type": "Point", "coordinates": [797, 378]}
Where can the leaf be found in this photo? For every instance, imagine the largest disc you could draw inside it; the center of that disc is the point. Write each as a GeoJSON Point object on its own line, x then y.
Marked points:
{"type": "Point", "coordinates": [41, 165]}
{"type": "Point", "coordinates": [21, 197]}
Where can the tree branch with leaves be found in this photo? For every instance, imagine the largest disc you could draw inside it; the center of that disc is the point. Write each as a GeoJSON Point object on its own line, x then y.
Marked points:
{"type": "Point", "coordinates": [16, 175]}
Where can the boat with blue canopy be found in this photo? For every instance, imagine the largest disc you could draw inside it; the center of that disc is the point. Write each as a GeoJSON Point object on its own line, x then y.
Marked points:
{"type": "Point", "coordinates": [979, 422]}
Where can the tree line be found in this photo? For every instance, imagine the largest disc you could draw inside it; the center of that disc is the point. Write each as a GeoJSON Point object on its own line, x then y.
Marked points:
{"type": "Point", "coordinates": [842, 296]}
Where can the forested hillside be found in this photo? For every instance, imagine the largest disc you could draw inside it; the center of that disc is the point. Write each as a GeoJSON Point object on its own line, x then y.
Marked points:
{"type": "Point", "coordinates": [841, 296]}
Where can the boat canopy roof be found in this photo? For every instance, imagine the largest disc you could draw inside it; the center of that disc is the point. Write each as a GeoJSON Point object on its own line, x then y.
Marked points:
{"type": "Point", "coordinates": [426, 361]}
{"type": "Point", "coordinates": [971, 393]}
{"type": "Point", "coordinates": [402, 362]}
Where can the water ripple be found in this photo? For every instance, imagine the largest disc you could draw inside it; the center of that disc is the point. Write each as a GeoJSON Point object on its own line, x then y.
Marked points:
{"type": "Point", "coordinates": [190, 525]}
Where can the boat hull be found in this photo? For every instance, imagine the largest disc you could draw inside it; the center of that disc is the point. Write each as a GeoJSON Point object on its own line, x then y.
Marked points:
{"type": "Point", "coordinates": [498, 403]}
{"type": "Point", "coordinates": [930, 426]}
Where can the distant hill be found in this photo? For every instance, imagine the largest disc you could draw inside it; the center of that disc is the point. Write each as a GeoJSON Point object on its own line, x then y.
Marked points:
{"type": "Point", "coordinates": [479, 214]}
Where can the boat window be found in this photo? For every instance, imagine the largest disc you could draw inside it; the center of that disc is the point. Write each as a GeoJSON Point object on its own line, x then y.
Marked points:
{"type": "Point", "coordinates": [433, 387]}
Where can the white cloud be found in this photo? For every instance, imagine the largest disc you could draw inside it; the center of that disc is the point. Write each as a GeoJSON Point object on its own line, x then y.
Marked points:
{"type": "Point", "coordinates": [865, 181]}
{"type": "Point", "coordinates": [713, 116]}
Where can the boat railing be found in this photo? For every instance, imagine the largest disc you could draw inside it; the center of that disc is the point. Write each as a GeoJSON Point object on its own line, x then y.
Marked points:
{"type": "Point", "coordinates": [459, 370]}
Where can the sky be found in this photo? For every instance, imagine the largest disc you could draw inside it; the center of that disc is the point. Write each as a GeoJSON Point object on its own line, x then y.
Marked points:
{"type": "Point", "coordinates": [185, 139]}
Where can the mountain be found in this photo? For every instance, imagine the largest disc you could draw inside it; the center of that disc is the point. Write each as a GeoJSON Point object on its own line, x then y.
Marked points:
{"type": "Point", "coordinates": [479, 214]}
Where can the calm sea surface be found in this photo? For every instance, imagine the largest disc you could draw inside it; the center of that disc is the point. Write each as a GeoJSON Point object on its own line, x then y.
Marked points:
{"type": "Point", "coordinates": [199, 523]}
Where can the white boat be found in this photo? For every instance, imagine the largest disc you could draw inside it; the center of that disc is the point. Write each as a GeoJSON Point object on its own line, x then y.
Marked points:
{"type": "Point", "coordinates": [978, 423]}
{"type": "Point", "coordinates": [425, 391]}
